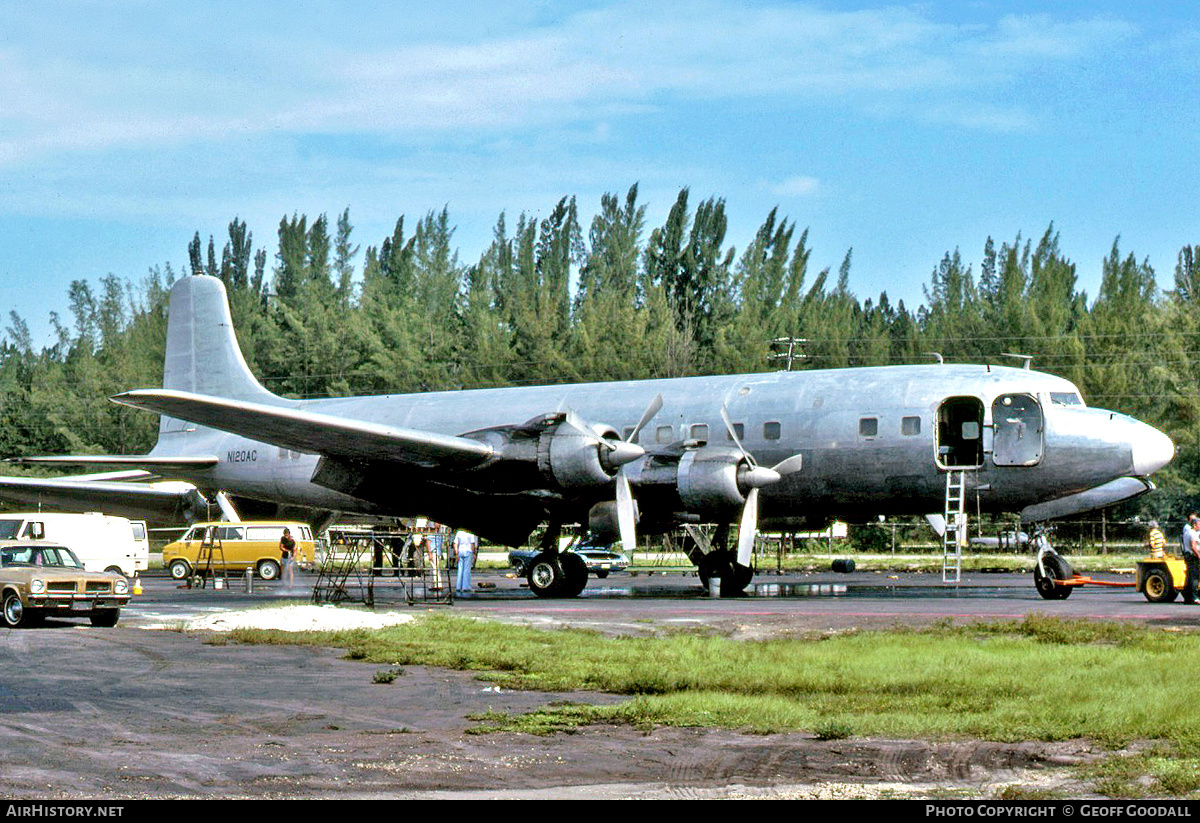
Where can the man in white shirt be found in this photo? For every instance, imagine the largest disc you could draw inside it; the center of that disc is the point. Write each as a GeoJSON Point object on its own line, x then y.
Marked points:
{"type": "Point", "coordinates": [464, 549]}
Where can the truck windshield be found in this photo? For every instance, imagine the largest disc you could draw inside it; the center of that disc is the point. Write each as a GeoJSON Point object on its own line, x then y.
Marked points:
{"type": "Point", "coordinates": [9, 529]}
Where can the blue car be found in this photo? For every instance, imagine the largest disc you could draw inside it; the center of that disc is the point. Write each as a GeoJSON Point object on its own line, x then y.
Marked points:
{"type": "Point", "coordinates": [599, 560]}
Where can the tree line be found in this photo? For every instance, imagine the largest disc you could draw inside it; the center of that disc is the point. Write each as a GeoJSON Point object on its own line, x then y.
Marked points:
{"type": "Point", "coordinates": [552, 301]}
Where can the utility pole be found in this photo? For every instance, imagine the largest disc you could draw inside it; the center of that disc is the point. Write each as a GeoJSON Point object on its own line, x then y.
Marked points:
{"type": "Point", "coordinates": [787, 349]}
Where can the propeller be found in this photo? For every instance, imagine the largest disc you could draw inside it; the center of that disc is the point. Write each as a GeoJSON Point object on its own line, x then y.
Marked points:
{"type": "Point", "coordinates": [619, 453]}
{"type": "Point", "coordinates": [755, 477]}
{"type": "Point", "coordinates": [626, 513]}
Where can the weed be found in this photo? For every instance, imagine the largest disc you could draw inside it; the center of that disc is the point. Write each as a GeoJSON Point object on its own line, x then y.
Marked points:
{"type": "Point", "coordinates": [384, 676]}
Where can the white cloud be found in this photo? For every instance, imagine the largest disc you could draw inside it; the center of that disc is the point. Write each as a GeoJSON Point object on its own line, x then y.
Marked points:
{"type": "Point", "coordinates": [796, 186]}
{"type": "Point", "coordinates": [171, 84]}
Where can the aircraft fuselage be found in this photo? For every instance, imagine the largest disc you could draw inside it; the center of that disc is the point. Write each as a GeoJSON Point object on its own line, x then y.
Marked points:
{"type": "Point", "coordinates": [873, 440]}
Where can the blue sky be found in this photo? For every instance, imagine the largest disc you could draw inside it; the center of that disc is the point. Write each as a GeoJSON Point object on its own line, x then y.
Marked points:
{"type": "Point", "coordinates": [900, 131]}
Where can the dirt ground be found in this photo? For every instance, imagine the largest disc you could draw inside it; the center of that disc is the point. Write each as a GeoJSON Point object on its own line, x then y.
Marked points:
{"type": "Point", "coordinates": [133, 713]}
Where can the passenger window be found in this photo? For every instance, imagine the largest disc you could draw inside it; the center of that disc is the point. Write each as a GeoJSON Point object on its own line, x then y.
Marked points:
{"type": "Point", "coordinates": [910, 426]}
{"type": "Point", "coordinates": [664, 434]}
{"type": "Point", "coordinates": [771, 430]}
{"type": "Point", "coordinates": [739, 429]}
{"type": "Point", "coordinates": [700, 431]}
{"type": "Point", "coordinates": [868, 426]}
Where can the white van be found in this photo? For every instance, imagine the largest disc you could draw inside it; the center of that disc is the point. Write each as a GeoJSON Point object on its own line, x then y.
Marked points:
{"type": "Point", "coordinates": [102, 543]}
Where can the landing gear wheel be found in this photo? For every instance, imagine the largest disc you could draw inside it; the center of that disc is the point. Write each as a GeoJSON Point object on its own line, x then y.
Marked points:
{"type": "Point", "coordinates": [723, 564]}
{"type": "Point", "coordinates": [545, 575]}
{"type": "Point", "coordinates": [1056, 569]}
{"type": "Point", "coordinates": [1158, 587]}
{"type": "Point", "coordinates": [734, 584]}
{"type": "Point", "coordinates": [575, 574]}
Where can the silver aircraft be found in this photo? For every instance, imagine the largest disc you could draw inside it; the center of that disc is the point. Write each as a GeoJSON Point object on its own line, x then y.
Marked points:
{"type": "Point", "coordinates": [780, 451]}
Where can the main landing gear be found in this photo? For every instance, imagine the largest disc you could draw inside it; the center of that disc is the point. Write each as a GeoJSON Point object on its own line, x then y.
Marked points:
{"type": "Point", "coordinates": [714, 561]}
{"type": "Point", "coordinates": [552, 573]}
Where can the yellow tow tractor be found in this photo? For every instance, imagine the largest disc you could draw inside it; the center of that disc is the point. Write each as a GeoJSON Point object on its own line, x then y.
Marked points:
{"type": "Point", "coordinates": [1162, 579]}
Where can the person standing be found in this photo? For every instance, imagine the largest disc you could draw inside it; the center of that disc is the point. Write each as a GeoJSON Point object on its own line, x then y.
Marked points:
{"type": "Point", "coordinates": [1190, 540]}
{"type": "Point", "coordinates": [287, 556]}
{"type": "Point", "coordinates": [1156, 542]}
{"type": "Point", "coordinates": [464, 549]}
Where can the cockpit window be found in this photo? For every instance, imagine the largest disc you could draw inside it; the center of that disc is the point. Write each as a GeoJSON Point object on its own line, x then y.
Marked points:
{"type": "Point", "coordinates": [1065, 398]}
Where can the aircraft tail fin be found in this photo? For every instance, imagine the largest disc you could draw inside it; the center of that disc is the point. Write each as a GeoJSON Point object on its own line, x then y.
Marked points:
{"type": "Point", "coordinates": [203, 355]}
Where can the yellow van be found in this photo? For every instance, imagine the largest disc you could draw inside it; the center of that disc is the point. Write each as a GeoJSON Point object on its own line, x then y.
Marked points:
{"type": "Point", "coordinates": [245, 545]}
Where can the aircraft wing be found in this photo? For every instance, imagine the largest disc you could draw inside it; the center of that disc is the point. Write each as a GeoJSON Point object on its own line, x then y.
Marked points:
{"type": "Point", "coordinates": [160, 502]}
{"type": "Point", "coordinates": [312, 432]}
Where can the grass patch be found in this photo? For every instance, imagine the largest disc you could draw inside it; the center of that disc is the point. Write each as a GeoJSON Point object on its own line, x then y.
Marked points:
{"type": "Point", "coordinates": [1038, 678]}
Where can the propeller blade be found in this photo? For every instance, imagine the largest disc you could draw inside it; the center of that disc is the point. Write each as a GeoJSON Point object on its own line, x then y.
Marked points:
{"type": "Point", "coordinates": [792, 464]}
{"type": "Point", "coordinates": [626, 515]}
{"type": "Point", "coordinates": [733, 435]}
{"type": "Point", "coordinates": [655, 406]}
{"type": "Point", "coordinates": [748, 528]}
{"type": "Point", "coordinates": [580, 425]}
{"type": "Point", "coordinates": [623, 452]}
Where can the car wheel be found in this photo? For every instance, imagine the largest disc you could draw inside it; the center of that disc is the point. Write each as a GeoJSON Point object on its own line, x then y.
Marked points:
{"type": "Point", "coordinates": [268, 569]}
{"type": "Point", "coordinates": [179, 569]}
{"type": "Point", "coordinates": [115, 570]}
{"type": "Point", "coordinates": [603, 573]}
{"type": "Point", "coordinates": [15, 615]}
{"type": "Point", "coordinates": [105, 619]}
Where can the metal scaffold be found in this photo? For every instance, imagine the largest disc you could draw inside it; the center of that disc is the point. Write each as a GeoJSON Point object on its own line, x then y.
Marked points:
{"type": "Point", "coordinates": [362, 563]}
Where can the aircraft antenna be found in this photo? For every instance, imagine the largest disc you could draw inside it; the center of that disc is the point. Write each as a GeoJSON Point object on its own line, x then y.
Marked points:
{"type": "Point", "coordinates": [1026, 358]}
{"type": "Point", "coordinates": [936, 355]}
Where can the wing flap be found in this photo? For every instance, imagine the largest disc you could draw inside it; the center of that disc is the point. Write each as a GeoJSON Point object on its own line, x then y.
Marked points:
{"type": "Point", "coordinates": [312, 432]}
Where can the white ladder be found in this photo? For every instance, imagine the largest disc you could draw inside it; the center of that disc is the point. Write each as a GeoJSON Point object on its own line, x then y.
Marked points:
{"type": "Point", "coordinates": [956, 525]}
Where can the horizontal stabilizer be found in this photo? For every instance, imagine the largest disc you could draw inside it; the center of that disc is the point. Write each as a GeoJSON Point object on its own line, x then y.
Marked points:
{"type": "Point", "coordinates": [158, 502]}
{"type": "Point", "coordinates": [312, 432]}
{"type": "Point", "coordinates": [158, 465]}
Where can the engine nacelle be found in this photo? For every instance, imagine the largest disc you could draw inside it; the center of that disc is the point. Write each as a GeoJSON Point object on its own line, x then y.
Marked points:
{"type": "Point", "coordinates": [708, 479]}
{"type": "Point", "coordinates": [574, 459]}
{"type": "Point", "coordinates": [702, 481]}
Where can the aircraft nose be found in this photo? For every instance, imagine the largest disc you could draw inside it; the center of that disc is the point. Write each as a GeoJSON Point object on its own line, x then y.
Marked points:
{"type": "Point", "coordinates": [1151, 450]}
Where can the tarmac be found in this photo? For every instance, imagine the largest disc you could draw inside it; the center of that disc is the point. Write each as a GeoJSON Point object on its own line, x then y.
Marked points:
{"type": "Point", "coordinates": [154, 709]}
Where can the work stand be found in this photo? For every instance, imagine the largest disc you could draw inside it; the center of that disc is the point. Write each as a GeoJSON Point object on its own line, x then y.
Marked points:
{"type": "Point", "coordinates": [364, 565]}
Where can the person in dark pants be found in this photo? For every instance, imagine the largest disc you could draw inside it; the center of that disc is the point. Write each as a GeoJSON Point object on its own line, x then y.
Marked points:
{"type": "Point", "coordinates": [1190, 540]}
